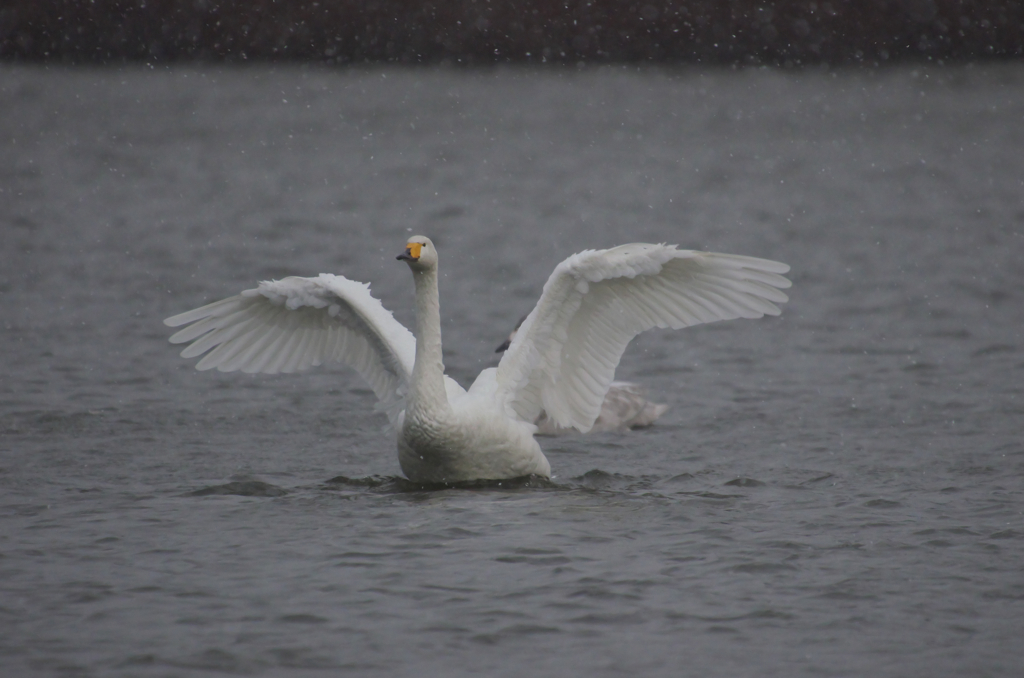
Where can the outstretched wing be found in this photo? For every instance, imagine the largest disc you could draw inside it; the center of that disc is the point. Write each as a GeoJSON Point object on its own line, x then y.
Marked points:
{"type": "Point", "coordinates": [295, 323]}
{"type": "Point", "coordinates": [564, 356]}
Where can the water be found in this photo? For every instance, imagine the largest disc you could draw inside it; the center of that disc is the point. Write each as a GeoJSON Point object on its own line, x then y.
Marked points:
{"type": "Point", "coordinates": [834, 492]}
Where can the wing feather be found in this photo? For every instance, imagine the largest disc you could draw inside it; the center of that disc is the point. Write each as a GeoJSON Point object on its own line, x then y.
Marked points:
{"type": "Point", "coordinates": [725, 308]}
{"type": "Point", "coordinates": [564, 356]}
{"type": "Point", "coordinates": [200, 328]}
{"type": "Point", "coordinates": [296, 323]}
{"type": "Point", "coordinates": [284, 348]}
{"type": "Point", "coordinates": [216, 309]}
{"type": "Point", "coordinates": [254, 358]}
{"type": "Point", "coordinates": [209, 339]}
{"type": "Point", "coordinates": [296, 350]}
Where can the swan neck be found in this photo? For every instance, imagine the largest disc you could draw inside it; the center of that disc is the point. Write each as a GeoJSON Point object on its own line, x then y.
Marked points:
{"type": "Point", "coordinates": [427, 391]}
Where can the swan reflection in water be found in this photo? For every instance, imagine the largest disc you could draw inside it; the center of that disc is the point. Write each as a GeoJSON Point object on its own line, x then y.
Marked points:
{"type": "Point", "coordinates": [560, 364]}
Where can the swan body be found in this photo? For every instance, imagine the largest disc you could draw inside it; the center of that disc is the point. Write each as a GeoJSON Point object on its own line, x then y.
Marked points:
{"type": "Point", "coordinates": [625, 406]}
{"type": "Point", "coordinates": [561, 362]}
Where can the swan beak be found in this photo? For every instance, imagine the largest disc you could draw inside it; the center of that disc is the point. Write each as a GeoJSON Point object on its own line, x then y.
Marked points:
{"type": "Point", "coordinates": [411, 253]}
{"type": "Point", "coordinates": [504, 346]}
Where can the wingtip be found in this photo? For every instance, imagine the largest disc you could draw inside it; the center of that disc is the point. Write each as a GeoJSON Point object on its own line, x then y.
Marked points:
{"type": "Point", "coordinates": [175, 320]}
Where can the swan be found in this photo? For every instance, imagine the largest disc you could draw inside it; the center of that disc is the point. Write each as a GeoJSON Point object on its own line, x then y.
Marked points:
{"type": "Point", "coordinates": [562, 360]}
{"type": "Point", "coordinates": [625, 405]}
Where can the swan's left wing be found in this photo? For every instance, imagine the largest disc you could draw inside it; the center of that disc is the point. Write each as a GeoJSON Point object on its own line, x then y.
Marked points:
{"type": "Point", "coordinates": [564, 356]}
{"type": "Point", "coordinates": [296, 323]}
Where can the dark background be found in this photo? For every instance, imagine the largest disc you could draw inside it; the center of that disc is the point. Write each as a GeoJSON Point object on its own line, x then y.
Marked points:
{"type": "Point", "coordinates": [497, 31]}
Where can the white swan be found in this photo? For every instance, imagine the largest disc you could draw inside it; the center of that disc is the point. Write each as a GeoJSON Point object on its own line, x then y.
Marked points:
{"type": "Point", "coordinates": [561, 361]}
{"type": "Point", "coordinates": [625, 405]}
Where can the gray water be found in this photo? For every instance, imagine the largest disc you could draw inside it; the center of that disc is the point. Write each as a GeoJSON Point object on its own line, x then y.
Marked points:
{"type": "Point", "coordinates": [834, 492]}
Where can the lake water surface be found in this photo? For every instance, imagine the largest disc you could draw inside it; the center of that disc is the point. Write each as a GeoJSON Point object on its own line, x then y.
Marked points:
{"type": "Point", "coordinates": [838, 491]}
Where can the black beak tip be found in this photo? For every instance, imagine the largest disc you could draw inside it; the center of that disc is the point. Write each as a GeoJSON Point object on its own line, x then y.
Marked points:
{"type": "Point", "coordinates": [504, 346]}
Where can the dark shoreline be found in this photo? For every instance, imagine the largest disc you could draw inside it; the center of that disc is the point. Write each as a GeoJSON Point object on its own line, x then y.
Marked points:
{"type": "Point", "coordinates": [478, 32]}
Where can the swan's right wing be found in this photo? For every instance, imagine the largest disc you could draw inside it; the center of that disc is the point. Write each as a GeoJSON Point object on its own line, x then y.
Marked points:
{"type": "Point", "coordinates": [563, 358]}
{"type": "Point", "coordinates": [295, 323]}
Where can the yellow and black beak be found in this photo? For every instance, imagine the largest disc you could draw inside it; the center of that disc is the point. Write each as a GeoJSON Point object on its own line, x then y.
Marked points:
{"type": "Point", "coordinates": [411, 253]}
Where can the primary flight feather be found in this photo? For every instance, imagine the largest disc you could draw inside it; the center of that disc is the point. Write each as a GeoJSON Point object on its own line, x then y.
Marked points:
{"type": "Point", "coordinates": [561, 362]}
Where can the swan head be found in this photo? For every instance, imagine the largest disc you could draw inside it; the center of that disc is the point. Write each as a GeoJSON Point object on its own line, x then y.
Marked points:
{"type": "Point", "coordinates": [419, 253]}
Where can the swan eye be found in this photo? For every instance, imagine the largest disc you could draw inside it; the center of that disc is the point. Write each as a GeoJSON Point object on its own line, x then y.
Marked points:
{"type": "Point", "coordinates": [414, 249]}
